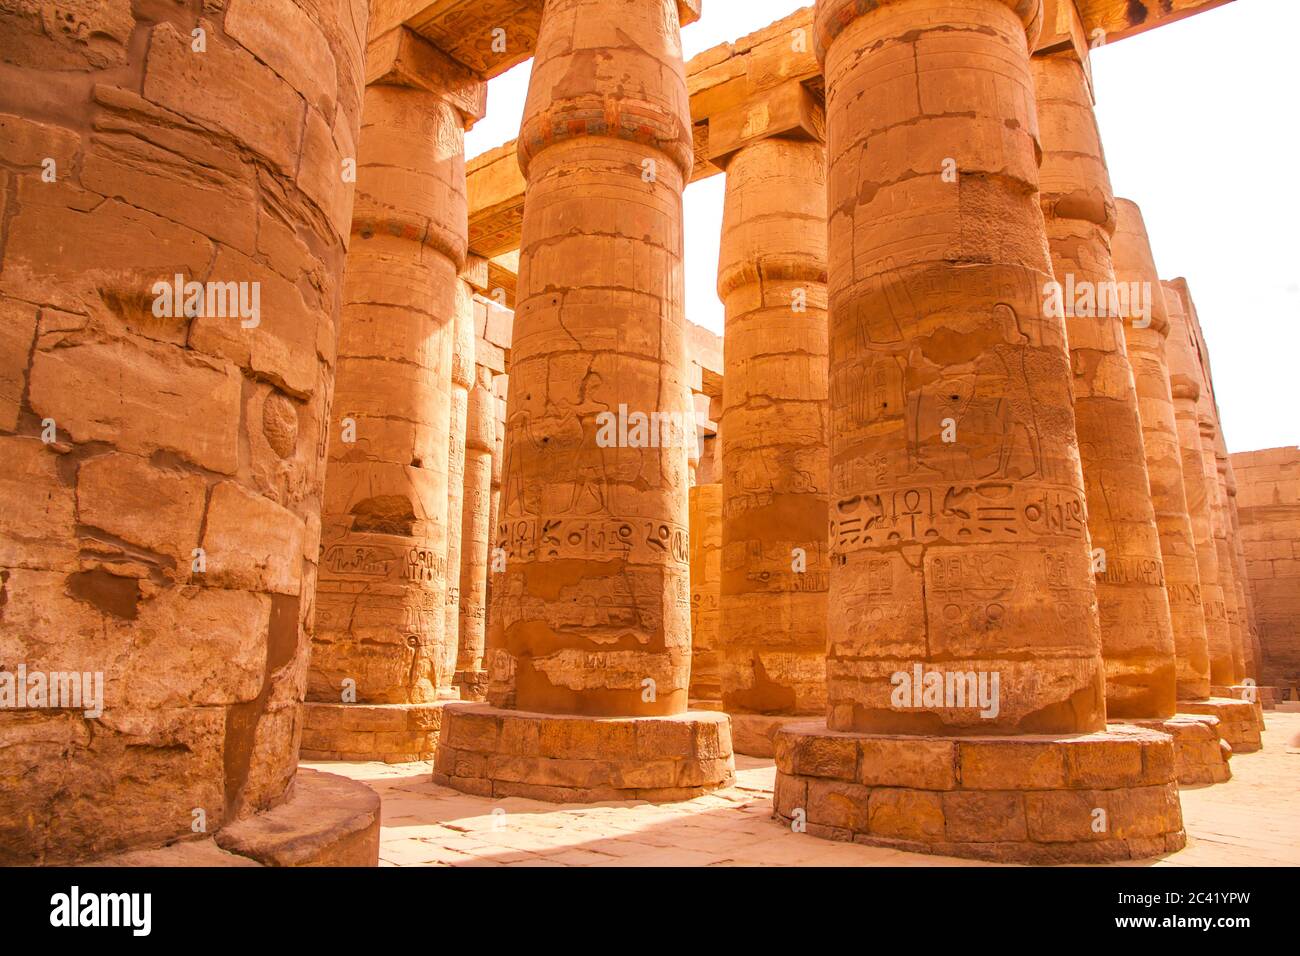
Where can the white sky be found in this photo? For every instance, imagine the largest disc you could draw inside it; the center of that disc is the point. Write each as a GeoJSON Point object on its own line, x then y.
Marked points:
{"type": "Point", "coordinates": [1201, 124]}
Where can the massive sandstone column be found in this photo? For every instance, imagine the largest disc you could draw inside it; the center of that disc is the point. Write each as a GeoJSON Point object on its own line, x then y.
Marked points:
{"type": "Point", "coordinates": [706, 586]}
{"type": "Point", "coordinates": [960, 559]}
{"type": "Point", "coordinates": [775, 481]}
{"type": "Point", "coordinates": [1240, 722]}
{"type": "Point", "coordinates": [163, 449]}
{"type": "Point", "coordinates": [381, 636]}
{"type": "Point", "coordinates": [462, 380]}
{"type": "Point", "coordinates": [1137, 638]}
{"type": "Point", "coordinates": [595, 602]}
{"type": "Point", "coordinates": [476, 535]}
{"type": "Point", "coordinates": [1185, 386]}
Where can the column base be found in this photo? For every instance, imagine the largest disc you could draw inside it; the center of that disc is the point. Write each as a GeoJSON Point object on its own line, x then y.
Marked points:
{"type": "Point", "coordinates": [563, 758]}
{"type": "Point", "coordinates": [1041, 799]}
{"type": "Point", "coordinates": [1200, 755]}
{"type": "Point", "coordinates": [754, 735]}
{"type": "Point", "coordinates": [393, 733]}
{"type": "Point", "coordinates": [327, 821]}
{"type": "Point", "coordinates": [472, 684]}
{"type": "Point", "coordinates": [1240, 722]}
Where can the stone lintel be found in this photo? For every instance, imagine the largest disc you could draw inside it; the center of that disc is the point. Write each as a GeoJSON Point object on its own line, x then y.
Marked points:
{"type": "Point", "coordinates": [1023, 799]}
{"type": "Point", "coordinates": [487, 36]}
{"type": "Point", "coordinates": [789, 110]}
{"type": "Point", "coordinates": [562, 758]}
{"type": "Point", "coordinates": [1065, 35]}
{"type": "Point", "coordinates": [475, 274]}
{"type": "Point", "coordinates": [1121, 19]}
{"type": "Point", "coordinates": [401, 57]}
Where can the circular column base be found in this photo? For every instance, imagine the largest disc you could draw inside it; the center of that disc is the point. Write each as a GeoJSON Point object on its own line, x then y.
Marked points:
{"type": "Point", "coordinates": [754, 735]}
{"type": "Point", "coordinates": [327, 820]}
{"type": "Point", "coordinates": [1200, 754]}
{"type": "Point", "coordinates": [1240, 722]}
{"type": "Point", "coordinates": [393, 733]}
{"type": "Point", "coordinates": [563, 758]}
{"type": "Point", "coordinates": [1041, 799]}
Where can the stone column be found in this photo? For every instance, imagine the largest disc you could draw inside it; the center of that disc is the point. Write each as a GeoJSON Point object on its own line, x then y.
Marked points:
{"type": "Point", "coordinates": [775, 482]}
{"type": "Point", "coordinates": [476, 535]}
{"type": "Point", "coordinates": [595, 602]}
{"type": "Point", "coordinates": [1137, 637]}
{"type": "Point", "coordinates": [1185, 386]}
{"type": "Point", "coordinates": [462, 380]}
{"type": "Point", "coordinates": [1240, 722]}
{"type": "Point", "coordinates": [1241, 653]}
{"type": "Point", "coordinates": [1245, 597]}
{"type": "Point", "coordinates": [706, 584]}
{"type": "Point", "coordinates": [382, 657]}
{"type": "Point", "coordinates": [960, 564]}
{"type": "Point", "coordinates": [171, 250]}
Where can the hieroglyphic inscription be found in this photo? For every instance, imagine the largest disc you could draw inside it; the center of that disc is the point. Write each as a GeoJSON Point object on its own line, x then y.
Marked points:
{"type": "Point", "coordinates": [955, 512]}
{"type": "Point", "coordinates": [639, 540]}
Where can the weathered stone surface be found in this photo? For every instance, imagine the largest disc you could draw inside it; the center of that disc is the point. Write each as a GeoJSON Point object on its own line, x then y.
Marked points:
{"type": "Point", "coordinates": [775, 480]}
{"type": "Point", "coordinates": [476, 533]}
{"type": "Point", "coordinates": [595, 597]}
{"type": "Point", "coordinates": [145, 426]}
{"type": "Point", "coordinates": [327, 821]}
{"type": "Point", "coordinates": [386, 630]}
{"type": "Point", "coordinates": [1268, 500]}
{"type": "Point", "coordinates": [706, 582]}
{"type": "Point", "coordinates": [572, 759]}
{"type": "Point", "coordinates": [1137, 637]}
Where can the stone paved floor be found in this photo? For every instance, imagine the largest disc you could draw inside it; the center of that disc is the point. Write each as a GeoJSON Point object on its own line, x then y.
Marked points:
{"type": "Point", "coordinates": [1253, 820]}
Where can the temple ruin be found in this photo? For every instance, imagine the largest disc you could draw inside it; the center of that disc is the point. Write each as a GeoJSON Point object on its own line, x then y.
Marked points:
{"type": "Point", "coordinates": [325, 442]}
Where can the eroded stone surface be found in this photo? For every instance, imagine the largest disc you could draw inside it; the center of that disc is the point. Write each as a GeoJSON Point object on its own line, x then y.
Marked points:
{"type": "Point", "coordinates": [775, 481]}
{"type": "Point", "coordinates": [164, 533]}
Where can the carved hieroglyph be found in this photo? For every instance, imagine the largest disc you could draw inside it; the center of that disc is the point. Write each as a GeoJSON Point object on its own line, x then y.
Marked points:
{"type": "Point", "coordinates": [384, 575]}
{"type": "Point", "coordinates": [1137, 638]}
{"type": "Point", "coordinates": [165, 533]}
{"type": "Point", "coordinates": [775, 561]}
{"type": "Point", "coordinates": [594, 602]}
{"type": "Point", "coordinates": [1146, 331]}
{"type": "Point", "coordinates": [958, 526]}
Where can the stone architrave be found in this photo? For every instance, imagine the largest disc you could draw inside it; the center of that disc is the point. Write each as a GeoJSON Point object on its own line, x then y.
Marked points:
{"type": "Point", "coordinates": [172, 244]}
{"type": "Point", "coordinates": [775, 480]}
{"type": "Point", "coordinates": [593, 609]}
{"type": "Point", "coordinates": [960, 566]}
{"type": "Point", "coordinates": [383, 657]}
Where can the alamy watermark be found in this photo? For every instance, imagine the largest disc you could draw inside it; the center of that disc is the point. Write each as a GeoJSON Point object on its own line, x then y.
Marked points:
{"type": "Point", "coordinates": [1090, 300]}
{"type": "Point", "coordinates": [624, 429]}
{"type": "Point", "coordinates": [54, 690]}
{"type": "Point", "coordinates": [953, 690]}
{"type": "Point", "coordinates": [208, 300]}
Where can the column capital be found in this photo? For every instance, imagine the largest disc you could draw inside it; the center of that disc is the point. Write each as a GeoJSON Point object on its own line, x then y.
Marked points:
{"type": "Point", "coordinates": [834, 16]}
{"type": "Point", "coordinates": [596, 76]}
{"type": "Point", "coordinates": [401, 57]}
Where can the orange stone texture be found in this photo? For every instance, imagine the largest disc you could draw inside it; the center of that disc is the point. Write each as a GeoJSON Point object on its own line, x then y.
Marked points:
{"type": "Point", "coordinates": [775, 481]}
{"type": "Point", "coordinates": [593, 607]}
{"type": "Point", "coordinates": [476, 534]}
{"type": "Point", "coordinates": [1268, 499]}
{"type": "Point", "coordinates": [462, 380]}
{"type": "Point", "coordinates": [1146, 330]}
{"type": "Point", "coordinates": [174, 231]}
{"type": "Point", "coordinates": [383, 652]}
{"type": "Point", "coordinates": [706, 589]}
{"type": "Point", "coordinates": [1137, 636]}
{"type": "Point", "coordinates": [959, 537]}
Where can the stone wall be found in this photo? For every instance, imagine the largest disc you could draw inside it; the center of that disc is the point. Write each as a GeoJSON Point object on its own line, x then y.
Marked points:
{"type": "Point", "coordinates": [1268, 500]}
